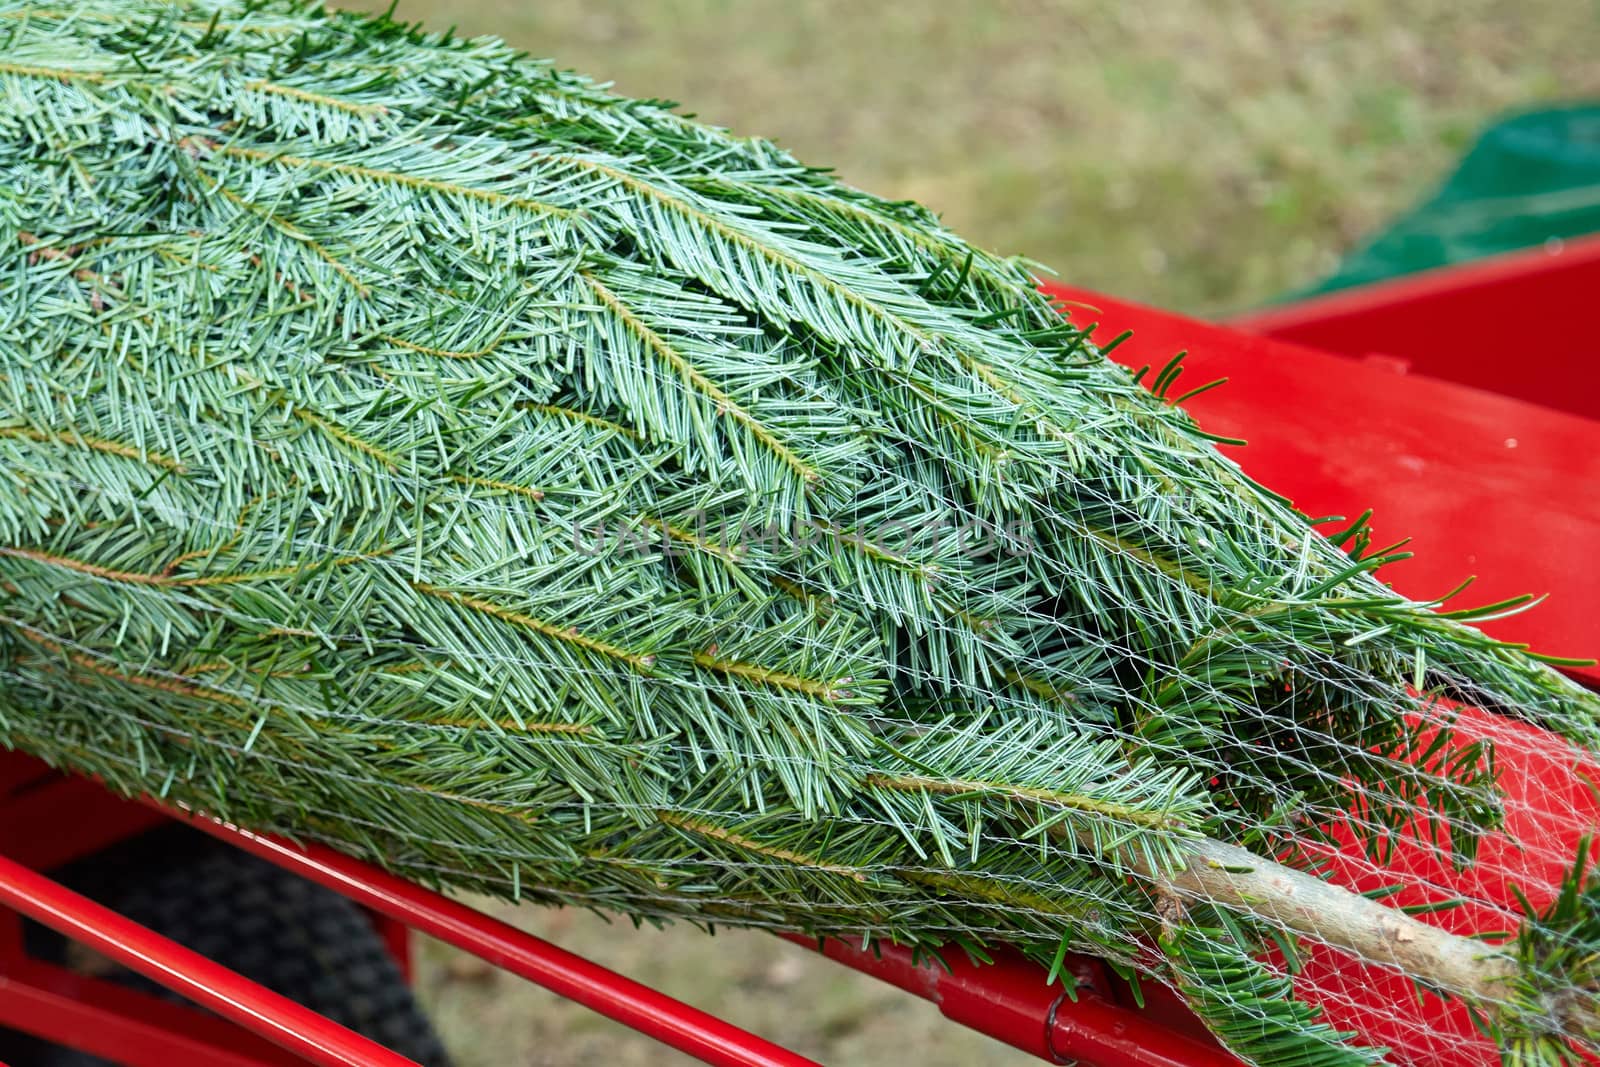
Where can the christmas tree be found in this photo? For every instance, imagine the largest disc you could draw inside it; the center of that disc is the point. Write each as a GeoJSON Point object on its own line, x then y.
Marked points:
{"type": "Point", "coordinates": [411, 446]}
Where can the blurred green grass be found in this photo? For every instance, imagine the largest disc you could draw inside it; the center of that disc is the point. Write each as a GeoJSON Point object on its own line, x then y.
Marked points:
{"type": "Point", "coordinates": [1201, 156]}
{"type": "Point", "coordinates": [1198, 156]}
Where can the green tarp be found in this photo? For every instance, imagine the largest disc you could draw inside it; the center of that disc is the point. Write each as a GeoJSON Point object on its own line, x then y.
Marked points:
{"type": "Point", "coordinates": [1530, 179]}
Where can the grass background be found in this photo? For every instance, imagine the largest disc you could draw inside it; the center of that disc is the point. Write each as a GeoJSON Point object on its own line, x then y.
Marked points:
{"type": "Point", "coordinates": [1199, 156]}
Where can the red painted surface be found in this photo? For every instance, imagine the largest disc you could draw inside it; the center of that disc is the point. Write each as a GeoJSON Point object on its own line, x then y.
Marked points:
{"type": "Point", "coordinates": [80, 822]}
{"type": "Point", "coordinates": [130, 1027]}
{"type": "Point", "coordinates": [278, 1019]}
{"type": "Point", "coordinates": [396, 937]}
{"type": "Point", "coordinates": [1519, 324]}
{"type": "Point", "coordinates": [1483, 484]}
{"type": "Point", "coordinates": [18, 773]}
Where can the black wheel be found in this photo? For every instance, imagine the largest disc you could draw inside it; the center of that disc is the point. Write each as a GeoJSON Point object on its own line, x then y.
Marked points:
{"type": "Point", "coordinates": [293, 936]}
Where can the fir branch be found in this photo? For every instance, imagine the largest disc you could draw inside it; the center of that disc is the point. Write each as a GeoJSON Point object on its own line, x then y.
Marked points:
{"type": "Point", "coordinates": [726, 404]}
{"type": "Point", "coordinates": [320, 99]}
{"type": "Point", "coordinates": [288, 229]}
{"type": "Point", "coordinates": [25, 70]}
{"type": "Point", "coordinates": [739, 841]}
{"type": "Point", "coordinates": [1155, 820]}
{"type": "Point", "coordinates": [639, 661]}
{"type": "Point", "coordinates": [373, 174]}
{"type": "Point", "coordinates": [81, 440]}
{"type": "Point", "coordinates": [167, 578]}
{"type": "Point", "coordinates": [443, 353]}
{"type": "Point", "coordinates": [829, 692]}
{"type": "Point", "coordinates": [586, 417]}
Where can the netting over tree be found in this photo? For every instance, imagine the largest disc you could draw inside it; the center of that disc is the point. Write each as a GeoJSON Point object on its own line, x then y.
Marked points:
{"type": "Point", "coordinates": [413, 447]}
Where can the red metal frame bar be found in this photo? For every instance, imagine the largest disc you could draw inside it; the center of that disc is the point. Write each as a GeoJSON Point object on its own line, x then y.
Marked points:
{"type": "Point", "coordinates": [277, 1018]}
{"type": "Point", "coordinates": [131, 1027]}
{"type": "Point", "coordinates": [33, 796]}
{"type": "Point", "coordinates": [396, 937]}
{"type": "Point", "coordinates": [1009, 1000]}
{"type": "Point", "coordinates": [30, 993]}
{"type": "Point", "coordinates": [631, 1003]}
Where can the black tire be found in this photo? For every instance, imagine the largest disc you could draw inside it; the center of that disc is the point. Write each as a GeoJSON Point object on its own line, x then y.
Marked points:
{"type": "Point", "coordinates": [291, 935]}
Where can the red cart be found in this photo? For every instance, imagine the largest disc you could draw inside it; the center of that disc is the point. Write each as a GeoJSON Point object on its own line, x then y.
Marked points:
{"type": "Point", "coordinates": [1445, 432]}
